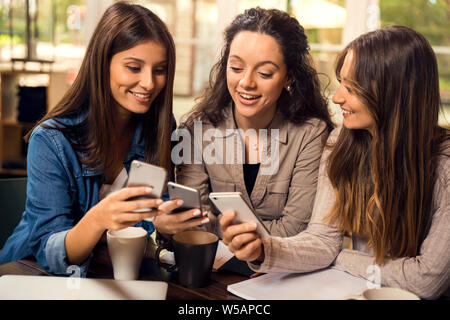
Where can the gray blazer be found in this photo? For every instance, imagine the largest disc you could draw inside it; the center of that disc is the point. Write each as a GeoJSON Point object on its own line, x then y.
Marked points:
{"type": "Point", "coordinates": [320, 245]}
{"type": "Point", "coordinates": [285, 187]}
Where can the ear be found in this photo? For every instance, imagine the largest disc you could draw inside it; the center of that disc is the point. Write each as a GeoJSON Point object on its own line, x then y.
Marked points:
{"type": "Point", "coordinates": [289, 81]}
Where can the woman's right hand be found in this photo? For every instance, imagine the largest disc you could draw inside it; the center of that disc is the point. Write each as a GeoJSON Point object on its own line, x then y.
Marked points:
{"type": "Point", "coordinates": [168, 223]}
{"type": "Point", "coordinates": [114, 212]}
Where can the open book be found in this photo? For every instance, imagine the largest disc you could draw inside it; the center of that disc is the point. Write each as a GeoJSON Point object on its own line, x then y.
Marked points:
{"type": "Point", "coordinates": [327, 284]}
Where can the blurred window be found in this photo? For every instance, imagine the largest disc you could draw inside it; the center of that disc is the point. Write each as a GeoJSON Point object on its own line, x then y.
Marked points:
{"type": "Point", "coordinates": [432, 19]}
{"type": "Point", "coordinates": [56, 31]}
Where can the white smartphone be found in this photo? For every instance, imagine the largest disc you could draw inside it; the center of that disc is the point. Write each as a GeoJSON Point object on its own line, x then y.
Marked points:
{"type": "Point", "coordinates": [190, 196]}
{"type": "Point", "coordinates": [225, 201]}
{"type": "Point", "coordinates": [144, 174]}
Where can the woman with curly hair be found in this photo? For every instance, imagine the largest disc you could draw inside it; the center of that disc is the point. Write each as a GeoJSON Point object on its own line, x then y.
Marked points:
{"type": "Point", "coordinates": [263, 98]}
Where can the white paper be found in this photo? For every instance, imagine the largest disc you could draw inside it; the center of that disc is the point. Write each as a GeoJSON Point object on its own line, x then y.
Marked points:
{"type": "Point", "coordinates": [223, 254]}
{"type": "Point", "coordinates": [167, 257]}
{"type": "Point", "coordinates": [328, 284]}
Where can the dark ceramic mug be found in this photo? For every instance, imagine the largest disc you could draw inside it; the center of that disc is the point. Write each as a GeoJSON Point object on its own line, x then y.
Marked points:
{"type": "Point", "coordinates": [195, 251]}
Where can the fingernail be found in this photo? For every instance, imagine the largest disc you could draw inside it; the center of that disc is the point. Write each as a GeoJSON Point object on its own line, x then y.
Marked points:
{"type": "Point", "coordinates": [196, 212]}
{"type": "Point", "coordinates": [253, 225]}
{"type": "Point", "coordinates": [148, 190]}
{"type": "Point", "coordinates": [205, 213]}
{"type": "Point", "coordinates": [158, 202]}
{"type": "Point", "coordinates": [180, 202]}
{"type": "Point", "coordinates": [206, 220]}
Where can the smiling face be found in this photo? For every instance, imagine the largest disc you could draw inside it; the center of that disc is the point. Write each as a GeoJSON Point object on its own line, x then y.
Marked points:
{"type": "Point", "coordinates": [137, 76]}
{"type": "Point", "coordinates": [356, 115]}
{"type": "Point", "coordinates": [256, 75]}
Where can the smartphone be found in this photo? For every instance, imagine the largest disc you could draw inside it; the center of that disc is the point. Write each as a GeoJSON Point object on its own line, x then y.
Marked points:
{"type": "Point", "coordinates": [225, 201]}
{"type": "Point", "coordinates": [190, 196]}
{"type": "Point", "coordinates": [144, 174]}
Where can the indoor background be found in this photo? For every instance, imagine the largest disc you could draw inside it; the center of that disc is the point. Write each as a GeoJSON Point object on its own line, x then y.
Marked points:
{"type": "Point", "coordinates": [42, 43]}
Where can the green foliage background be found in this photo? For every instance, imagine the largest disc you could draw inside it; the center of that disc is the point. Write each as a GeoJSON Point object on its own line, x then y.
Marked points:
{"type": "Point", "coordinates": [431, 18]}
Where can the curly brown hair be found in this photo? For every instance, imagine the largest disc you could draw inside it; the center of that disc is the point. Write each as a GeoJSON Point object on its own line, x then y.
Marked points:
{"type": "Point", "coordinates": [305, 99]}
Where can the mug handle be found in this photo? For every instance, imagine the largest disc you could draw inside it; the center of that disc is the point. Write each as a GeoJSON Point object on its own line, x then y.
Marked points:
{"type": "Point", "coordinates": [167, 246]}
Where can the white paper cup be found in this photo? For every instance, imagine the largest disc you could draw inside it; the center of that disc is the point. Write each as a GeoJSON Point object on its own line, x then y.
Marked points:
{"type": "Point", "coordinates": [385, 293]}
{"type": "Point", "coordinates": [126, 249]}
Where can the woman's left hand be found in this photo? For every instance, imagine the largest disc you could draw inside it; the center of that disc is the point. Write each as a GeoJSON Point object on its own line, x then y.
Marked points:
{"type": "Point", "coordinates": [168, 223]}
{"type": "Point", "coordinates": [241, 239]}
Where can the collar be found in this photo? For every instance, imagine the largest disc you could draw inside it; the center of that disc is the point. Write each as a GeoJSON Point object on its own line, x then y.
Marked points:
{"type": "Point", "coordinates": [137, 150]}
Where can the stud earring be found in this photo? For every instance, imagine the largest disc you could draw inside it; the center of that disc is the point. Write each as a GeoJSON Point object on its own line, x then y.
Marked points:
{"type": "Point", "coordinates": [289, 88]}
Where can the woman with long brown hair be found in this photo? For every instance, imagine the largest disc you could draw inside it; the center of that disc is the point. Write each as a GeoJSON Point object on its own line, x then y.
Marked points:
{"type": "Point", "coordinates": [384, 177]}
{"type": "Point", "coordinates": [119, 109]}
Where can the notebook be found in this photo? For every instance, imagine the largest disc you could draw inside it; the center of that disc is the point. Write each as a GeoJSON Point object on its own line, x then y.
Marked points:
{"type": "Point", "coordinates": [13, 287]}
{"type": "Point", "coordinates": [327, 284]}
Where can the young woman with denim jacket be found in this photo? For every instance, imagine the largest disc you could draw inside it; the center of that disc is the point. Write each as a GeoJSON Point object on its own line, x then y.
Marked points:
{"type": "Point", "coordinates": [118, 109]}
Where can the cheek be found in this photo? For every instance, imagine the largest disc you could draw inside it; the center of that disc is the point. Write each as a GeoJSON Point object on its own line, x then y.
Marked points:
{"type": "Point", "coordinates": [117, 80]}
{"type": "Point", "coordinates": [365, 115]}
{"type": "Point", "coordinates": [369, 119]}
{"type": "Point", "coordinates": [365, 112]}
{"type": "Point", "coordinates": [231, 81]}
{"type": "Point", "coordinates": [161, 82]}
{"type": "Point", "coordinates": [273, 91]}
{"type": "Point", "coordinates": [114, 86]}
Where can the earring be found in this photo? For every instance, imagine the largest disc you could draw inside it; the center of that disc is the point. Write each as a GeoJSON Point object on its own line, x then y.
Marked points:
{"type": "Point", "coordinates": [289, 88]}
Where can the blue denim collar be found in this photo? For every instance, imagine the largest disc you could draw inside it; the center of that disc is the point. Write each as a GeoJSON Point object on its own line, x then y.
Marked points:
{"type": "Point", "coordinates": [137, 149]}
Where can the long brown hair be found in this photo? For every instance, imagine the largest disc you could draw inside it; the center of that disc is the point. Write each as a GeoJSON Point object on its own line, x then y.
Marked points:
{"type": "Point", "coordinates": [304, 100]}
{"type": "Point", "coordinates": [384, 183]}
{"type": "Point", "coordinates": [121, 27]}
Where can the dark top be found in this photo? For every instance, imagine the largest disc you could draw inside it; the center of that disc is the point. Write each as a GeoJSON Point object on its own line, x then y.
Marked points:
{"type": "Point", "coordinates": [250, 173]}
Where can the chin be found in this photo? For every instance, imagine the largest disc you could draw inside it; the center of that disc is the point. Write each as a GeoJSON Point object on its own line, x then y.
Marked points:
{"type": "Point", "coordinates": [137, 110]}
{"type": "Point", "coordinates": [247, 111]}
{"type": "Point", "coordinates": [142, 110]}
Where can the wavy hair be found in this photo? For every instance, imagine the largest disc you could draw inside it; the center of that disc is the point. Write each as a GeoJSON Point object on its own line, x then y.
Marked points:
{"type": "Point", "coordinates": [305, 99]}
{"type": "Point", "coordinates": [121, 27]}
{"type": "Point", "coordinates": [384, 183]}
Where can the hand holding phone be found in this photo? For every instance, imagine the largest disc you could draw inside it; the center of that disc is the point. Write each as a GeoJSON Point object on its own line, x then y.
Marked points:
{"type": "Point", "coordinates": [190, 196]}
{"type": "Point", "coordinates": [144, 174]}
{"type": "Point", "coordinates": [225, 201]}
{"type": "Point", "coordinates": [177, 219]}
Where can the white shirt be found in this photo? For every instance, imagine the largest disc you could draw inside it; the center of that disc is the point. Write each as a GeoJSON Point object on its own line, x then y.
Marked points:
{"type": "Point", "coordinates": [117, 184]}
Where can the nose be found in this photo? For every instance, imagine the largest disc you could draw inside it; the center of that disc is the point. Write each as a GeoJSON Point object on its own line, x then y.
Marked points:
{"type": "Point", "coordinates": [147, 81]}
{"type": "Point", "coordinates": [247, 80]}
{"type": "Point", "coordinates": [338, 97]}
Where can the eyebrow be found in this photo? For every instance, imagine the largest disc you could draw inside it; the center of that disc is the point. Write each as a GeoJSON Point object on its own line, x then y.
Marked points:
{"type": "Point", "coordinates": [259, 63]}
{"type": "Point", "coordinates": [142, 61]}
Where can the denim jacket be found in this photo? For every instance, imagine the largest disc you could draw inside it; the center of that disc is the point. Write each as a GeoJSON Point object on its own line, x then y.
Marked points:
{"type": "Point", "coordinates": [60, 190]}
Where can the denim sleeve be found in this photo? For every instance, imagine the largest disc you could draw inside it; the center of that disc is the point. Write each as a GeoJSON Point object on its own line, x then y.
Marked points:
{"type": "Point", "coordinates": [49, 206]}
{"type": "Point", "coordinates": [55, 252]}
